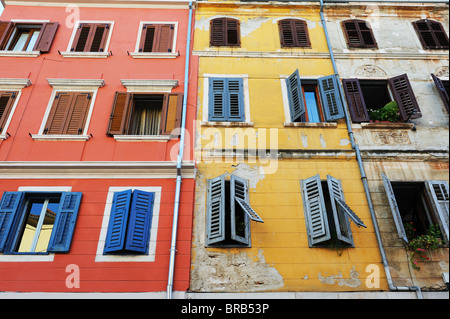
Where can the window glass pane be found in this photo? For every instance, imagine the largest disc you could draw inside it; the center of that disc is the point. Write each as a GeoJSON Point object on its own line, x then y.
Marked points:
{"type": "Point", "coordinates": [312, 107]}
{"type": "Point", "coordinates": [21, 41]}
{"type": "Point", "coordinates": [47, 227]}
{"type": "Point", "coordinates": [34, 212]}
{"type": "Point", "coordinates": [33, 40]}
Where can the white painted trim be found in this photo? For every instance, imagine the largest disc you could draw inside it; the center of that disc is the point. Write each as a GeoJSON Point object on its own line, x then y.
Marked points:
{"type": "Point", "coordinates": [92, 55]}
{"type": "Point", "coordinates": [263, 54]}
{"type": "Point", "coordinates": [173, 54]}
{"type": "Point", "coordinates": [20, 54]}
{"type": "Point", "coordinates": [89, 54]}
{"type": "Point", "coordinates": [63, 83]}
{"type": "Point", "coordinates": [155, 55]}
{"type": "Point", "coordinates": [40, 137]}
{"type": "Point", "coordinates": [3, 135]}
{"type": "Point", "coordinates": [30, 21]}
{"type": "Point", "coordinates": [14, 84]}
{"type": "Point", "coordinates": [99, 257]}
{"type": "Point", "coordinates": [142, 138]}
{"type": "Point", "coordinates": [145, 4]}
{"type": "Point", "coordinates": [150, 86]}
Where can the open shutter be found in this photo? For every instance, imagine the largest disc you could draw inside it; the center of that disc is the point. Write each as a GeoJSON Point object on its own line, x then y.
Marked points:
{"type": "Point", "coordinates": [215, 212]}
{"type": "Point", "coordinates": [232, 32]}
{"type": "Point", "coordinates": [171, 114]}
{"type": "Point", "coordinates": [438, 192]}
{"type": "Point", "coordinates": [9, 206]}
{"type": "Point", "coordinates": [80, 41]}
{"type": "Point", "coordinates": [147, 38]}
{"type": "Point", "coordinates": [165, 38]}
{"type": "Point", "coordinates": [441, 89]}
{"type": "Point", "coordinates": [355, 100]}
{"type": "Point", "coordinates": [115, 237]}
{"type": "Point", "coordinates": [97, 38]}
{"type": "Point", "coordinates": [331, 99]}
{"type": "Point", "coordinates": [218, 32]}
{"type": "Point", "coordinates": [78, 113]}
{"type": "Point", "coordinates": [64, 227]}
{"type": "Point", "coordinates": [6, 27]}
{"type": "Point", "coordinates": [295, 95]}
{"type": "Point", "coordinates": [394, 208]}
{"type": "Point", "coordinates": [235, 100]}
{"type": "Point", "coordinates": [217, 99]}
{"type": "Point", "coordinates": [118, 122]}
{"type": "Point", "coordinates": [315, 210]}
{"type": "Point", "coordinates": [249, 210]}
{"type": "Point", "coordinates": [405, 98]}
{"type": "Point", "coordinates": [239, 190]}
{"type": "Point", "coordinates": [46, 36]}
{"type": "Point", "coordinates": [6, 103]}
{"type": "Point", "coordinates": [59, 113]}
{"type": "Point", "coordinates": [139, 222]}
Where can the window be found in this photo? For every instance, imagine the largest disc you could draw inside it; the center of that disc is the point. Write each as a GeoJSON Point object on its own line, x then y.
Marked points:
{"type": "Point", "coordinates": [326, 213]}
{"type": "Point", "coordinates": [145, 114]}
{"type": "Point", "coordinates": [365, 95]}
{"type": "Point", "coordinates": [294, 33]}
{"type": "Point", "coordinates": [358, 34]}
{"type": "Point", "coordinates": [90, 37]}
{"type": "Point", "coordinates": [130, 223]}
{"type": "Point", "coordinates": [314, 100]}
{"type": "Point", "coordinates": [229, 212]}
{"type": "Point", "coordinates": [224, 32]}
{"type": "Point", "coordinates": [431, 34]}
{"type": "Point", "coordinates": [27, 37]}
{"type": "Point", "coordinates": [421, 203]}
{"type": "Point", "coordinates": [37, 222]}
{"type": "Point", "coordinates": [157, 38]}
{"type": "Point", "coordinates": [442, 87]}
{"type": "Point", "coordinates": [226, 100]}
{"type": "Point", "coordinates": [7, 99]}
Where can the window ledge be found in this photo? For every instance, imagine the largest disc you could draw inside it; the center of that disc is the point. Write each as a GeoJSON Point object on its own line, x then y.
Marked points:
{"type": "Point", "coordinates": [96, 55]}
{"type": "Point", "coordinates": [39, 137]}
{"type": "Point", "coordinates": [154, 55]}
{"type": "Point", "coordinates": [387, 125]}
{"type": "Point", "coordinates": [142, 138]}
{"type": "Point", "coordinates": [307, 124]}
{"type": "Point", "coordinates": [24, 54]}
{"type": "Point", "coordinates": [228, 124]}
{"type": "Point", "coordinates": [3, 137]}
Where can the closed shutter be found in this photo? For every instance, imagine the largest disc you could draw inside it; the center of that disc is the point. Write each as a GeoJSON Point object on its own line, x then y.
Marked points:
{"type": "Point", "coordinates": [355, 100]}
{"type": "Point", "coordinates": [394, 208]}
{"type": "Point", "coordinates": [224, 32]}
{"type": "Point", "coordinates": [6, 27]}
{"type": "Point", "coordinates": [118, 122]}
{"type": "Point", "coordinates": [295, 96]}
{"type": "Point", "coordinates": [157, 38]}
{"type": "Point", "coordinates": [171, 114]}
{"type": "Point", "coordinates": [359, 34]}
{"type": "Point", "coordinates": [139, 222]}
{"type": "Point", "coordinates": [315, 210]}
{"type": "Point", "coordinates": [165, 38]}
{"type": "Point", "coordinates": [294, 33]}
{"type": "Point", "coordinates": [64, 226]}
{"type": "Point", "coordinates": [217, 100]}
{"type": "Point", "coordinates": [438, 191]}
{"type": "Point", "coordinates": [80, 41]}
{"type": "Point", "coordinates": [441, 89]}
{"type": "Point", "coordinates": [10, 205]}
{"type": "Point", "coordinates": [215, 213]}
{"type": "Point", "coordinates": [239, 190]}
{"type": "Point", "coordinates": [405, 98]}
{"type": "Point", "coordinates": [78, 114]}
{"type": "Point", "coordinates": [235, 96]}
{"type": "Point", "coordinates": [331, 99]}
{"type": "Point", "coordinates": [233, 36]}
{"type": "Point", "coordinates": [431, 34]}
{"type": "Point", "coordinates": [6, 102]}
{"type": "Point", "coordinates": [90, 37]}
{"type": "Point", "coordinates": [46, 36]}
{"type": "Point", "coordinates": [226, 100]}
{"type": "Point", "coordinates": [117, 227]}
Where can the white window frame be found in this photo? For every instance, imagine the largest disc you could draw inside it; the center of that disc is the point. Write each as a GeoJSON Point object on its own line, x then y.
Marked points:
{"type": "Point", "coordinates": [155, 55]}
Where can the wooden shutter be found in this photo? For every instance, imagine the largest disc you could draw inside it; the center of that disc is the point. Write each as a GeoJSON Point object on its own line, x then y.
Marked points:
{"type": "Point", "coordinates": [78, 114]}
{"type": "Point", "coordinates": [438, 192]}
{"type": "Point", "coordinates": [10, 205]}
{"type": "Point", "coordinates": [295, 96]}
{"type": "Point", "coordinates": [139, 222]}
{"type": "Point", "coordinates": [120, 114]}
{"type": "Point", "coordinates": [315, 210]}
{"type": "Point", "coordinates": [239, 189]}
{"type": "Point", "coordinates": [82, 35]}
{"type": "Point", "coordinates": [117, 226]}
{"type": "Point", "coordinates": [441, 89]}
{"type": "Point", "coordinates": [215, 212]}
{"type": "Point", "coordinates": [165, 38]}
{"type": "Point", "coordinates": [331, 98]}
{"type": "Point", "coordinates": [6, 103]}
{"type": "Point", "coordinates": [157, 38]}
{"type": "Point", "coordinates": [294, 33]}
{"type": "Point", "coordinates": [355, 100]}
{"type": "Point", "coordinates": [431, 34]}
{"type": "Point", "coordinates": [171, 114]}
{"type": "Point", "coordinates": [233, 34]}
{"type": "Point", "coordinates": [91, 37]}
{"type": "Point", "coordinates": [217, 99]}
{"type": "Point", "coordinates": [6, 27]}
{"type": "Point", "coordinates": [358, 34]}
{"type": "Point", "coordinates": [405, 98]}
{"type": "Point", "coordinates": [46, 36]}
{"type": "Point", "coordinates": [394, 208]}
{"type": "Point", "coordinates": [225, 32]}
{"type": "Point", "coordinates": [64, 226]}
{"type": "Point", "coordinates": [235, 100]}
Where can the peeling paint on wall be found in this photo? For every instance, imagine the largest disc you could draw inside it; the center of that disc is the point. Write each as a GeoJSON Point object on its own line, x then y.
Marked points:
{"type": "Point", "coordinates": [338, 279]}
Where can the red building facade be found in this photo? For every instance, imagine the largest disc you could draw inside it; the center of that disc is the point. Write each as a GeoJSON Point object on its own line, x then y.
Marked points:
{"type": "Point", "coordinates": [91, 114]}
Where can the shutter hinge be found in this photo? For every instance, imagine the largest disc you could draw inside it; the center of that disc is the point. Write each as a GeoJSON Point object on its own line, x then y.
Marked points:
{"type": "Point", "coordinates": [46, 130]}
{"type": "Point", "coordinates": [80, 130]}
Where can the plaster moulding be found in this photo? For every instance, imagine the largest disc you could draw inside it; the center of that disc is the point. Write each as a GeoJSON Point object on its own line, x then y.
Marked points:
{"type": "Point", "coordinates": [56, 83]}
{"type": "Point", "coordinates": [14, 83]}
{"type": "Point", "coordinates": [442, 72]}
{"type": "Point", "coordinates": [370, 71]}
{"type": "Point", "coordinates": [165, 86]}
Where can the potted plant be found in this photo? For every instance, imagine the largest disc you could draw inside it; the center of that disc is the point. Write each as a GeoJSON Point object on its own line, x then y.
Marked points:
{"type": "Point", "coordinates": [389, 113]}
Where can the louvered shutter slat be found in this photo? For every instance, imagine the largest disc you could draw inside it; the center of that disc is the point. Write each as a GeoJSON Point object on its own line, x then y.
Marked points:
{"type": "Point", "coordinates": [6, 28]}
{"type": "Point", "coordinates": [405, 98]}
{"type": "Point", "coordinates": [165, 38]}
{"type": "Point", "coordinates": [438, 191]}
{"type": "Point", "coordinates": [331, 99]}
{"type": "Point", "coordinates": [9, 207]}
{"type": "Point", "coordinates": [78, 113]}
{"type": "Point", "coordinates": [118, 122]}
{"type": "Point", "coordinates": [217, 99]}
{"type": "Point", "coordinates": [295, 96]}
{"type": "Point", "coordinates": [6, 103]}
{"type": "Point", "coordinates": [217, 32]}
{"type": "Point", "coordinates": [171, 115]}
{"type": "Point", "coordinates": [139, 222]}
{"type": "Point", "coordinates": [442, 91]}
{"type": "Point", "coordinates": [120, 209]}
{"type": "Point", "coordinates": [239, 190]}
{"type": "Point", "coordinates": [98, 38]}
{"type": "Point", "coordinates": [235, 101]}
{"type": "Point", "coordinates": [215, 219]}
{"type": "Point", "coordinates": [232, 32]}
{"type": "Point", "coordinates": [355, 100]}
{"type": "Point", "coordinates": [341, 222]}
{"type": "Point", "coordinates": [394, 207]}
{"type": "Point", "coordinates": [59, 113]}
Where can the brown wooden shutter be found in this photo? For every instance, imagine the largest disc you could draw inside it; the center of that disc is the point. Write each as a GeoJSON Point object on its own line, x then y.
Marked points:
{"type": "Point", "coordinates": [440, 35]}
{"type": "Point", "coordinates": [118, 123]}
{"type": "Point", "coordinates": [441, 89]}
{"type": "Point", "coordinates": [98, 37]}
{"type": "Point", "coordinates": [358, 34]}
{"type": "Point", "coordinates": [157, 38]}
{"type": "Point", "coordinates": [225, 32]}
{"type": "Point", "coordinates": [301, 32]}
{"type": "Point", "coordinates": [6, 27]}
{"type": "Point", "coordinates": [6, 103]}
{"type": "Point", "coordinates": [294, 33]}
{"type": "Point", "coordinates": [233, 34]}
{"type": "Point", "coordinates": [165, 38]}
{"type": "Point", "coordinates": [46, 36]}
{"type": "Point", "coordinates": [431, 34]}
{"type": "Point", "coordinates": [355, 100]}
{"type": "Point", "coordinates": [59, 113]}
{"type": "Point", "coordinates": [171, 113]}
{"type": "Point", "coordinates": [81, 38]}
{"type": "Point", "coordinates": [405, 98]}
{"type": "Point", "coordinates": [78, 114]}
{"type": "Point", "coordinates": [147, 38]}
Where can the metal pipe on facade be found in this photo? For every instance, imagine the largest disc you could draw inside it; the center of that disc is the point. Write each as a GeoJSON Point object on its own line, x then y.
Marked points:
{"type": "Point", "coordinates": [363, 174]}
{"type": "Point", "coordinates": [176, 205]}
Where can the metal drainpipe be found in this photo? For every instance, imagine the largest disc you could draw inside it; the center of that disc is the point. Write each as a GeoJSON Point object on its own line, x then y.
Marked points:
{"type": "Point", "coordinates": [176, 205]}
{"type": "Point", "coordinates": [363, 174]}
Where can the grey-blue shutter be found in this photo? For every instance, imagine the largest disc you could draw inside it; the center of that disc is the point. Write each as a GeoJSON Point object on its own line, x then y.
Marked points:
{"type": "Point", "coordinates": [115, 237]}
{"type": "Point", "coordinates": [217, 99]}
{"type": "Point", "coordinates": [394, 208]}
{"type": "Point", "coordinates": [249, 210]}
{"type": "Point", "coordinates": [215, 212]}
{"type": "Point", "coordinates": [331, 100]}
{"type": "Point", "coordinates": [139, 222]}
{"type": "Point", "coordinates": [295, 95]}
{"type": "Point", "coordinates": [239, 189]}
{"type": "Point", "coordinates": [438, 191]}
{"type": "Point", "coordinates": [235, 103]}
{"type": "Point", "coordinates": [9, 206]}
{"type": "Point", "coordinates": [64, 226]}
{"type": "Point", "coordinates": [315, 210]}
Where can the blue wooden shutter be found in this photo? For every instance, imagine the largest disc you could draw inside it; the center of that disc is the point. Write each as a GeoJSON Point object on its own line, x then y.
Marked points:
{"type": "Point", "coordinates": [438, 193]}
{"type": "Point", "coordinates": [64, 226]}
{"type": "Point", "coordinates": [139, 222]}
{"type": "Point", "coordinates": [115, 237]}
{"type": "Point", "coordinates": [215, 213]}
{"type": "Point", "coordinates": [9, 206]}
{"type": "Point", "coordinates": [217, 100]}
{"type": "Point", "coordinates": [235, 100]}
{"type": "Point", "coordinates": [239, 189]}
{"type": "Point", "coordinates": [295, 95]}
{"type": "Point", "coordinates": [331, 99]}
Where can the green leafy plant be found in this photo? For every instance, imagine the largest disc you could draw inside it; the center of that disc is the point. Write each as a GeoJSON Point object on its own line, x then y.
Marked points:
{"type": "Point", "coordinates": [389, 112]}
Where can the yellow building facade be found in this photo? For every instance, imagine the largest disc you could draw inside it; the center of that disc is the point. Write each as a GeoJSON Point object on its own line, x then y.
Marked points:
{"type": "Point", "coordinates": [279, 205]}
